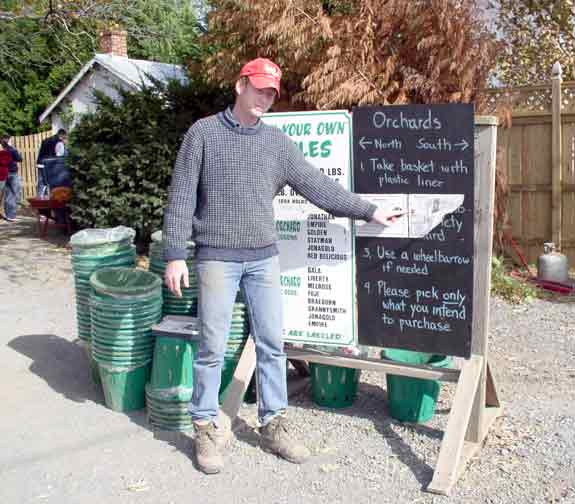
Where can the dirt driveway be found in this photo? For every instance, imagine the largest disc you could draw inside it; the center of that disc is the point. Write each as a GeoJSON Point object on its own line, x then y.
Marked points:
{"type": "Point", "coordinates": [61, 445]}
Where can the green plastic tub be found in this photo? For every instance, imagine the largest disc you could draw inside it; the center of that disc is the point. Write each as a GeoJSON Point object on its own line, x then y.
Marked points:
{"type": "Point", "coordinates": [93, 249]}
{"type": "Point", "coordinates": [124, 388]}
{"type": "Point", "coordinates": [93, 365]}
{"type": "Point", "coordinates": [173, 364]}
{"type": "Point", "coordinates": [333, 386]}
{"type": "Point", "coordinates": [187, 304]}
{"type": "Point", "coordinates": [169, 413]}
{"type": "Point", "coordinates": [414, 399]}
{"type": "Point", "coordinates": [125, 303]}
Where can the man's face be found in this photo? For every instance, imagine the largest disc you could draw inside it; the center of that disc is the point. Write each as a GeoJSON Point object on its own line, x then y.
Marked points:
{"type": "Point", "coordinates": [64, 138]}
{"type": "Point", "coordinates": [252, 100]}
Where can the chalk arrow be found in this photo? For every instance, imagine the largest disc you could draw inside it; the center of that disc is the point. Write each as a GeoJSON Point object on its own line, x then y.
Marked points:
{"type": "Point", "coordinates": [463, 144]}
{"type": "Point", "coordinates": [363, 142]}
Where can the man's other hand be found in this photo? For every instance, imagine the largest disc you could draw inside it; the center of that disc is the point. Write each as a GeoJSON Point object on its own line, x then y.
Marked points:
{"type": "Point", "coordinates": [385, 218]}
{"type": "Point", "coordinates": [176, 271]}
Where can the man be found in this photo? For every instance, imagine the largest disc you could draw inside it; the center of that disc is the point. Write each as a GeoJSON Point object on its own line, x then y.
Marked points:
{"type": "Point", "coordinates": [51, 147]}
{"type": "Point", "coordinates": [228, 170]}
{"type": "Point", "coordinates": [13, 183]}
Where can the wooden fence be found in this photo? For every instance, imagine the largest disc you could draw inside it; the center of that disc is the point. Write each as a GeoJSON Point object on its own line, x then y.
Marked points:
{"type": "Point", "coordinates": [537, 157]}
{"type": "Point", "coordinates": [28, 146]}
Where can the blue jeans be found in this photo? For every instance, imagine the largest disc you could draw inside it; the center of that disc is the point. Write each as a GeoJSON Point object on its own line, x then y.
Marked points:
{"type": "Point", "coordinates": [12, 195]}
{"type": "Point", "coordinates": [218, 283]}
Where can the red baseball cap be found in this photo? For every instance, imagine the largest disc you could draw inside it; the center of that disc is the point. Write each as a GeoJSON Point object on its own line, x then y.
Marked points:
{"type": "Point", "coordinates": [262, 73]}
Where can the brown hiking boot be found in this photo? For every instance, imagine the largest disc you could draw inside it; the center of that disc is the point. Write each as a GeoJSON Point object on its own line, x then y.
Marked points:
{"type": "Point", "coordinates": [206, 445]}
{"type": "Point", "coordinates": [222, 437]}
{"type": "Point", "coordinates": [275, 438]}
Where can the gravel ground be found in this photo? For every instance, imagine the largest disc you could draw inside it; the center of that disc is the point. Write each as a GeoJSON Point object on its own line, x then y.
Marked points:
{"type": "Point", "coordinates": [60, 444]}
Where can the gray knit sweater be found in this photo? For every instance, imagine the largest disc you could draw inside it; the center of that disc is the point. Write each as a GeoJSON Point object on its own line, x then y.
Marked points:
{"type": "Point", "coordinates": [224, 182]}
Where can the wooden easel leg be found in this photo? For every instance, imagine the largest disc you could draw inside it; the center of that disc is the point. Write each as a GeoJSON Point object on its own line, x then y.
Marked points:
{"type": "Point", "coordinates": [491, 397]}
{"type": "Point", "coordinates": [486, 408]}
{"type": "Point", "coordinates": [449, 460]}
{"type": "Point", "coordinates": [474, 429]}
{"type": "Point", "coordinates": [240, 382]}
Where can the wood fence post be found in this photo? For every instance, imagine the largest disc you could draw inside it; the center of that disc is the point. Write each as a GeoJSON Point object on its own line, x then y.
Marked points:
{"type": "Point", "coordinates": [556, 156]}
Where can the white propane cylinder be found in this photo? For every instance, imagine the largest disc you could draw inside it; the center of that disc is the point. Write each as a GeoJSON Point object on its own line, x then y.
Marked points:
{"type": "Point", "coordinates": [552, 266]}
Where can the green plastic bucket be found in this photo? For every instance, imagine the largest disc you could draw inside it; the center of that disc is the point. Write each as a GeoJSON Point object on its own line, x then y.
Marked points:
{"type": "Point", "coordinates": [124, 388]}
{"type": "Point", "coordinates": [166, 407]}
{"type": "Point", "coordinates": [105, 311]}
{"type": "Point", "coordinates": [407, 356]}
{"type": "Point", "coordinates": [333, 386]}
{"type": "Point", "coordinates": [136, 350]}
{"type": "Point", "coordinates": [173, 364]}
{"type": "Point", "coordinates": [93, 249]}
{"type": "Point", "coordinates": [125, 304]}
{"type": "Point", "coordinates": [123, 324]}
{"type": "Point", "coordinates": [92, 363]}
{"type": "Point", "coordinates": [171, 384]}
{"type": "Point", "coordinates": [125, 344]}
{"type": "Point", "coordinates": [414, 399]}
{"type": "Point", "coordinates": [168, 414]}
{"type": "Point", "coordinates": [187, 304]}
{"type": "Point", "coordinates": [104, 359]}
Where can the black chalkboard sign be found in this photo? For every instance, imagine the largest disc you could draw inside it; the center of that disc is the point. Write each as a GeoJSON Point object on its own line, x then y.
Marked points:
{"type": "Point", "coordinates": [415, 288]}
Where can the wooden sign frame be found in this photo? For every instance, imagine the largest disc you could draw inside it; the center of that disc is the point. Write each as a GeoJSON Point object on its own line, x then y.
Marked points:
{"type": "Point", "coordinates": [476, 404]}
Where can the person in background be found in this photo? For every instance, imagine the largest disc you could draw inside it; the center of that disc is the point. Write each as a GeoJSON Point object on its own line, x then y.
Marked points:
{"type": "Point", "coordinates": [50, 148]}
{"type": "Point", "coordinates": [61, 149]}
{"type": "Point", "coordinates": [13, 183]}
{"type": "Point", "coordinates": [5, 160]}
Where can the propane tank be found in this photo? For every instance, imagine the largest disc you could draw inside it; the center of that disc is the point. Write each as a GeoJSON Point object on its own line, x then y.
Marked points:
{"type": "Point", "coordinates": [552, 266]}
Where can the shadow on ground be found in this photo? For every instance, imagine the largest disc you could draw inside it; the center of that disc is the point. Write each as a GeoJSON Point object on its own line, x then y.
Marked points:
{"type": "Point", "coordinates": [64, 367]}
{"type": "Point", "coordinates": [371, 404]}
{"type": "Point", "coordinates": [62, 364]}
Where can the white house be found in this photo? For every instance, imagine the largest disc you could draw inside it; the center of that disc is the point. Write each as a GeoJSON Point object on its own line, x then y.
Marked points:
{"type": "Point", "coordinates": [106, 72]}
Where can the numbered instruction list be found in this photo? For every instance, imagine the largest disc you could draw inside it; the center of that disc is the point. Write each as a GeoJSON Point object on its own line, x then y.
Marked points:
{"type": "Point", "coordinates": [415, 275]}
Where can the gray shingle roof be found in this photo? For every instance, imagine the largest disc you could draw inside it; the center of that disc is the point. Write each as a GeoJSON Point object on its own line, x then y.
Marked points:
{"type": "Point", "coordinates": [136, 72]}
{"type": "Point", "coordinates": [133, 72]}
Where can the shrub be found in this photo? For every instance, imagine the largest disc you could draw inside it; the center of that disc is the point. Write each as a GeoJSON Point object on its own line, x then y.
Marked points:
{"type": "Point", "coordinates": [121, 156]}
{"type": "Point", "coordinates": [503, 285]}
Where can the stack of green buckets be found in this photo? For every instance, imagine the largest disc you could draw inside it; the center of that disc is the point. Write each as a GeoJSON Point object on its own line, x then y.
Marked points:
{"type": "Point", "coordinates": [171, 383]}
{"type": "Point", "coordinates": [93, 249]}
{"type": "Point", "coordinates": [188, 303]}
{"type": "Point", "coordinates": [125, 304]}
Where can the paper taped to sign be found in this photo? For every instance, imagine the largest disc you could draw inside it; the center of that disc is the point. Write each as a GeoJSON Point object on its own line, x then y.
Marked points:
{"type": "Point", "coordinates": [389, 203]}
{"type": "Point", "coordinates": [421, 213]}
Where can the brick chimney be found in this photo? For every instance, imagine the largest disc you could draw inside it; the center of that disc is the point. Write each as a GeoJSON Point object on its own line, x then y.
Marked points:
{"type": "Point", "coordinates": [114, 42]}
